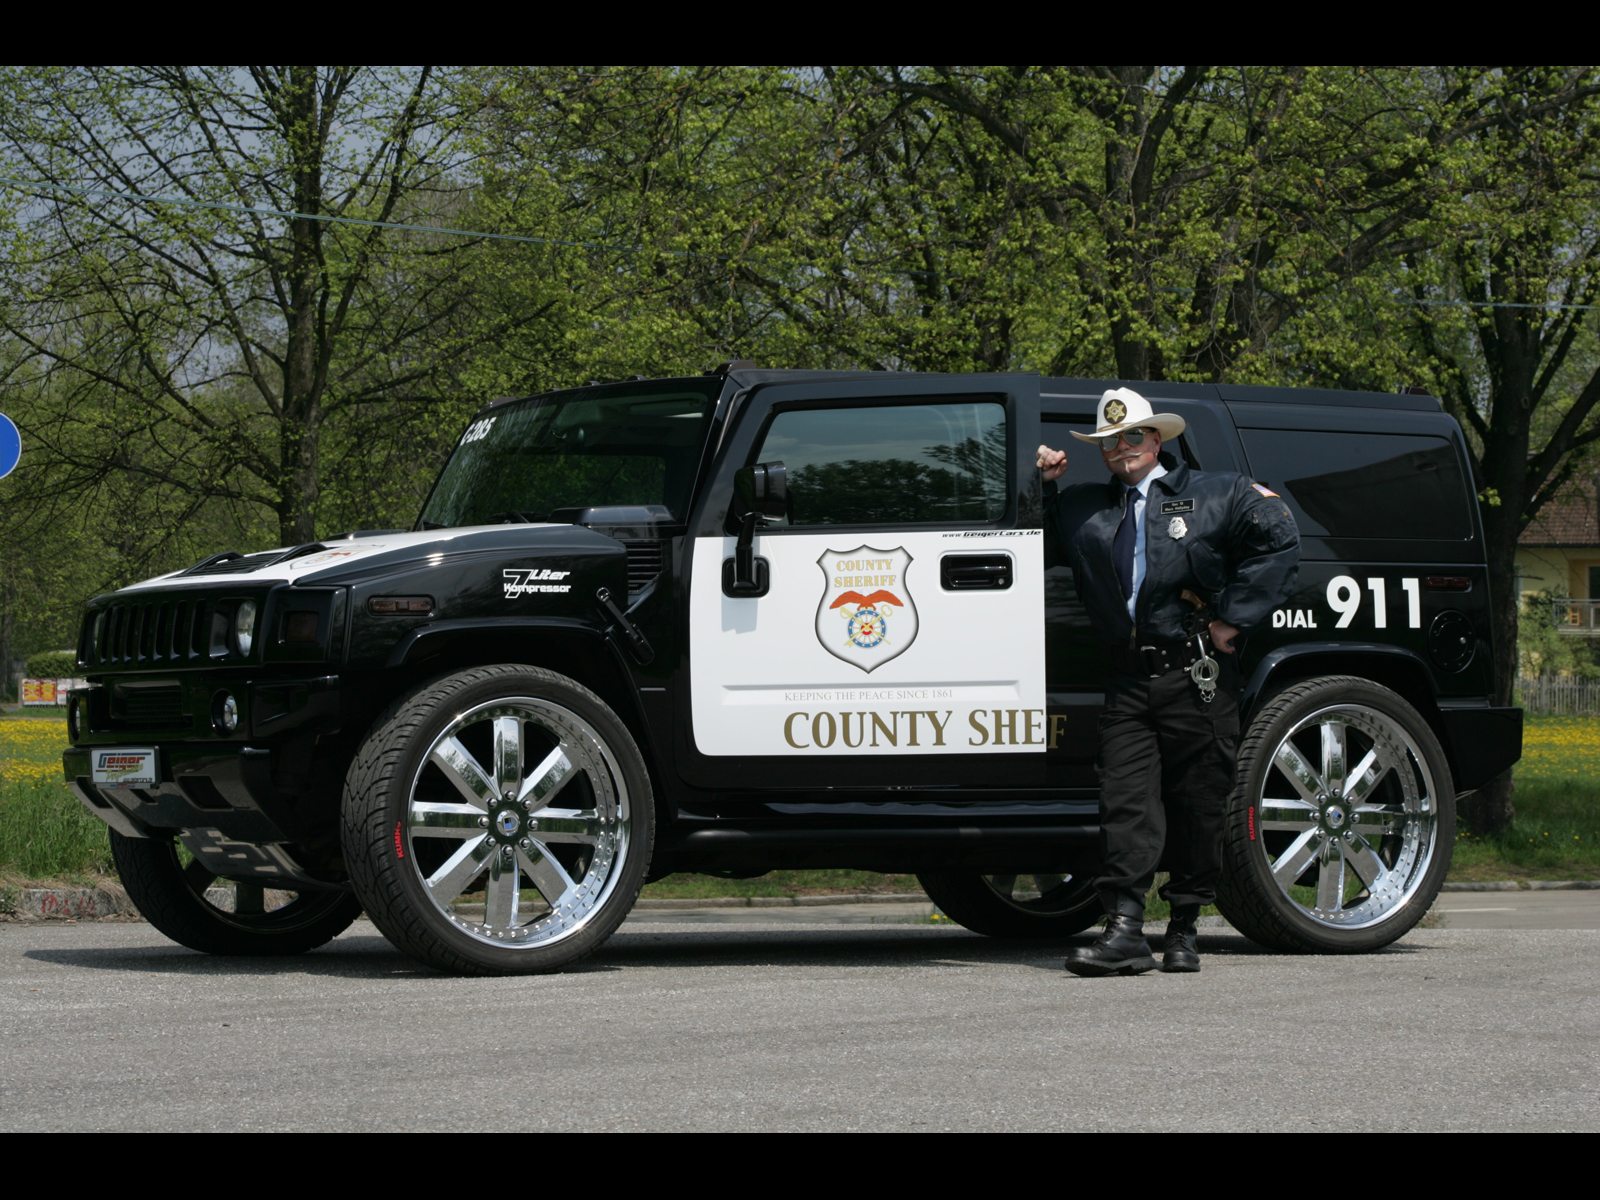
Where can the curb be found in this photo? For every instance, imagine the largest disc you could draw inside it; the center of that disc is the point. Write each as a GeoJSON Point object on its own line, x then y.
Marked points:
{"type": "Point", "coordinates": [1527, 885]}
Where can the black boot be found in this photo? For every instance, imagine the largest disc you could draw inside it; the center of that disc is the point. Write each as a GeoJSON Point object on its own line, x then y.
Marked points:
{"type": "Point", "coordinates": [1181, 953]}
{"type": "Point", "coordinates": [1120, 950]}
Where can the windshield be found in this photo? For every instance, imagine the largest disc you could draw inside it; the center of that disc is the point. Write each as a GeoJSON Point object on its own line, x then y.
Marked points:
{"type": "Point", "coordinates": [529, 460]}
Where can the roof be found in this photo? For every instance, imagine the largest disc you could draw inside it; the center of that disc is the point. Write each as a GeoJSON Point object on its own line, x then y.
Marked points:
{"type": "Point", "coordinates": [1572, 518]}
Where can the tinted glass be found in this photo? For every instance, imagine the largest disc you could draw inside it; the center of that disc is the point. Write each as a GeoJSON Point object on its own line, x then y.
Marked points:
{"type": "Point", "coordinates": [527, 460]}
{"type": "Point", "coordinates": [895, 464]}
{"type": "Point", "coordinates": [1364, 485]}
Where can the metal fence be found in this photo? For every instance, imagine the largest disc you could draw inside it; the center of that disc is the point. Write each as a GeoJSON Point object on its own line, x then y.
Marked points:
{"type": "Point", "coordinates": [1554, 696]}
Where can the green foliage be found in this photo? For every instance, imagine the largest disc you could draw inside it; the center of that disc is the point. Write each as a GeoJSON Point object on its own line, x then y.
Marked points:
{"type": "Point", "coordinates": [1556, 831]}
{"type": "Point", "coordinates": [169, 330]}
{"type": "Point", "coordinates": [52, 664]}
{"type": "Point", "coordinates": [46, 834]}
{"type": "Point", "coordinates": [1542, 649]}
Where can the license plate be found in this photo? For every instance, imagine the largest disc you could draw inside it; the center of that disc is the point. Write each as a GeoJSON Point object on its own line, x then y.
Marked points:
{"type": "Point", "coordinates": [123, 767]}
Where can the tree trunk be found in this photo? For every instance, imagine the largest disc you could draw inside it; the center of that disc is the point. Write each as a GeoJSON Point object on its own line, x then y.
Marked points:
{"type": "Point", "coordinates": [298, 455]}
{"type": "Point", "coordinates": [1491, 810]}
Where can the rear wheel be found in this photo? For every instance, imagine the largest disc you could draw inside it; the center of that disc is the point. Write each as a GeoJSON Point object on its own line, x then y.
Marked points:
{"type": "Point", "coordinates": [193, 907]}
{"type": "Point", "coordinates": [1014, 906]}
{"type": "Point", "coordinates": [1340, 831]}
{"type": "Point", "coordinates": [498, 821]}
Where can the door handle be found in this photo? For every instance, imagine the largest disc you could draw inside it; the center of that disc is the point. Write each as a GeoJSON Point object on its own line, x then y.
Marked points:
{"type": "Point", "coordinates": [968, 572]}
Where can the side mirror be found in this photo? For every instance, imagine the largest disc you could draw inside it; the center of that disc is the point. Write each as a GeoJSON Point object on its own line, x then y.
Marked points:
{"type": "Point", "coordinates": [760, 491]}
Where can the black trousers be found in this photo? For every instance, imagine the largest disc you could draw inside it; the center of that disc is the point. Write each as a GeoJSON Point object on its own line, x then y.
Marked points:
{"type": "Point", "coordinates": [1166, 767]}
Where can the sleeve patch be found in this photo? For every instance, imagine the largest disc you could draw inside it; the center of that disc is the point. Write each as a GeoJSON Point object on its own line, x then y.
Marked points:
{"type": "Point", "coordinates": [1265, 491]}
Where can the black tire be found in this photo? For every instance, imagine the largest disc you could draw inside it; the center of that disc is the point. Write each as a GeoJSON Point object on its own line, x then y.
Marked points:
{"type": "Point", "coordinates": [173, 897]}
{"type": "Point", "coordinates": [454, 793]}
{"type": "Point", "coordinates": [1307, 870]}
{"type": "Point", "coordinates": [1033, 907]}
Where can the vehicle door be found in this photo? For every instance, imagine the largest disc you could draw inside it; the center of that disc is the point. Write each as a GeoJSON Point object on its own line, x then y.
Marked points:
{"type": "Point", "coordinates": [892, 635]}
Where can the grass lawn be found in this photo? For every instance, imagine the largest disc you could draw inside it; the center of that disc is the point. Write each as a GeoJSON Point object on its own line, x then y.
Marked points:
{"type": "Point", "coordinates": [46, 836]}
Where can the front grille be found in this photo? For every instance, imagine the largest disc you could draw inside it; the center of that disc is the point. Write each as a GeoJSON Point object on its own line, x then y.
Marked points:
{"type": "Point", "coordinates": [644, 564]}
{"type": "Point", "coordinates": [160, 704]}
{"type": "Point", "coordinates": [149, 632]}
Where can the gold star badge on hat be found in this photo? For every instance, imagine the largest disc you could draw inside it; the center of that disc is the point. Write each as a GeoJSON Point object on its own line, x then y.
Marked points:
{"type": "Point", "coordinates": [1115, 411]}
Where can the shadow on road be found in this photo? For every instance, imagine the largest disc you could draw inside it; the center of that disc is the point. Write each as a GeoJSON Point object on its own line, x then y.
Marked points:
{"type": "Point", "coordinates": [358, 956]}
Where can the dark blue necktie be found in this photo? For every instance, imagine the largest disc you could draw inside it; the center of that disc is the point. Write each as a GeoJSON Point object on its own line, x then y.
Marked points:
{"type": "Point", "coordinates": [1122, 544]}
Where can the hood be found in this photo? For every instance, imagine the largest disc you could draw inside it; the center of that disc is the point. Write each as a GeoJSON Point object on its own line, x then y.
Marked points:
{"type": "Point", "coordinates": [347, 559]}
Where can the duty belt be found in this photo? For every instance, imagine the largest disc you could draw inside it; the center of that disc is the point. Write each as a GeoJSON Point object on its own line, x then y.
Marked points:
{"type": "Point", "coordinates": [1160, 658]}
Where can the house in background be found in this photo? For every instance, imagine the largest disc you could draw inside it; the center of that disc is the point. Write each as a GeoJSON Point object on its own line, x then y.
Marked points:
{"type": "Point", "coordinates": [1559, 553]}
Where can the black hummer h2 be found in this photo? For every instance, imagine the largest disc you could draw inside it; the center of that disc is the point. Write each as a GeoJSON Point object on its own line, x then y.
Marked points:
{"type": "Point", "coordinates": [767, 619]}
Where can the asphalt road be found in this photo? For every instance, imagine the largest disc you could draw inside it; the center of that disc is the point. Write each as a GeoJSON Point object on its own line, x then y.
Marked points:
{"type": "Point", "coordinates": [809, 1020]}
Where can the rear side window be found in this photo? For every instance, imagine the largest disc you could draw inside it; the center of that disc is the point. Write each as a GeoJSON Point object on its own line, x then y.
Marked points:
{"type": "Point", "coordinates": [898, 464]}
{"type": "Point", "coordinates": [1368, 485]}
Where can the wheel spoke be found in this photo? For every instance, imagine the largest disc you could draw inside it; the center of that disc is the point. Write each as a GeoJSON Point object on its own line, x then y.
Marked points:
{"type": "Point", "coordinates": [1291, 864]}
{"type": "Point", "coordinates": [460, 869]}
{"type": "Point", "coordinates": [1330, 881]}
{"type": "Point", "coordinates": [1333, 754]}
{"type": "Point", "coordinates": [198, 876]}
{"type": "Point", "coordinates": [1285, 815]}
{"type": "Point", "coordinates": [249, 899]}
{"type": "Point", "coordinates": [1368, 774]}
{"type": "Point", "coordinates": [1373, 820]}
{"type": "Point", "coordinates": [463, 772]}
{"type": "Point", "coordinates": [500, 894]}
{"type": "Point", "coordinates": [547, 779]}
{"type": "Point", "coordinates": [1364, 861]}
{"type": "Point", "coordinates": [441, 819]}
{"type": "Point", "coordinates": [1297, 771]}
{"type": "Point", "coordinates": [546, 874]}
{"type": "Point", "coordinates": [508, 754]}
{"type": "Point", "coordinates": [567, 825]}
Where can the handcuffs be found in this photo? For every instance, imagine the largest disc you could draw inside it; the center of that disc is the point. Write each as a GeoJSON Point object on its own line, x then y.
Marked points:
{"type": "Point", "coordinates": [1205, 670]}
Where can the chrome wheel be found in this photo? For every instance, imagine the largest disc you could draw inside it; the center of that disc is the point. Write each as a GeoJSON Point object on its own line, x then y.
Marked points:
{"type": "Point", "coordinates": [1341, 834]}
{"type": "Point", "coordinates": [1348, 816]}
{"type": "Point", "coordinates": [518, 823]}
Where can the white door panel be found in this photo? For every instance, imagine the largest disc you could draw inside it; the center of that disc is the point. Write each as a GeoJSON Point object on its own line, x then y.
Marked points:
{"type": "Point", "coordinates": [859, 648]}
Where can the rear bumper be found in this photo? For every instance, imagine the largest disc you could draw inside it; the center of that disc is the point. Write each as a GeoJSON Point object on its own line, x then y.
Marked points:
{"type": "Point", "coordinates": [1481, 742]}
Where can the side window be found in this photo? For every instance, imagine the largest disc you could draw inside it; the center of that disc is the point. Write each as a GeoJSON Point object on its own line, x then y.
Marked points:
{"type": "Point", "coordinates": [1084, 464]}
{"type": "Point", "coordinates": [895, 464]}
{"type": "Point", "coordinates": [1364, 485]}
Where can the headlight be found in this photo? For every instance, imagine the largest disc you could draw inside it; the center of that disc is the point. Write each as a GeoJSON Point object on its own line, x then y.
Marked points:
{"type": "Point", "coordinates": [244, 626]}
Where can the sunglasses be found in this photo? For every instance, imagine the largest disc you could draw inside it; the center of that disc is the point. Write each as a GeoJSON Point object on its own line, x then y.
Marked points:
{"type": "Point", "coordinates": [1134, 437]}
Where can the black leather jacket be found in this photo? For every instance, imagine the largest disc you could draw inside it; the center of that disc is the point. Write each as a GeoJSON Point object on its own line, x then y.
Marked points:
{"type": "Point", "coordinates": [1236, 548]}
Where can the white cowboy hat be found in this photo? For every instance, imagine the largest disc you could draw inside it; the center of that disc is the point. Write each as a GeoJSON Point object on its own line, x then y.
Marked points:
{"type": "Point", "coordinates": [1123, 408]}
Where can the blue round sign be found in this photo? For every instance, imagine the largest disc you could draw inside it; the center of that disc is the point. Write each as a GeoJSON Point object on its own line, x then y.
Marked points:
{"type": "Point", "coordinates": [10, 445]}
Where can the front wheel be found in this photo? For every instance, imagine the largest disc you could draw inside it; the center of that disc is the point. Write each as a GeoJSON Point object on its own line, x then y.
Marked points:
{"type": "Point", "coordinates": [183, 900]}
{"type": "Point", "coordinates": [498, 821]}
{"type": "Point", "coordinates": [1340, 830]}
{"type": "Point", "coordinates": [1014, 906]}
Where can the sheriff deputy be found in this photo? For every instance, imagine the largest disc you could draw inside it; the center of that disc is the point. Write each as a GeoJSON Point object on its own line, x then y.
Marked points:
{"type": "Point", "coordinates": [1174, 567]}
